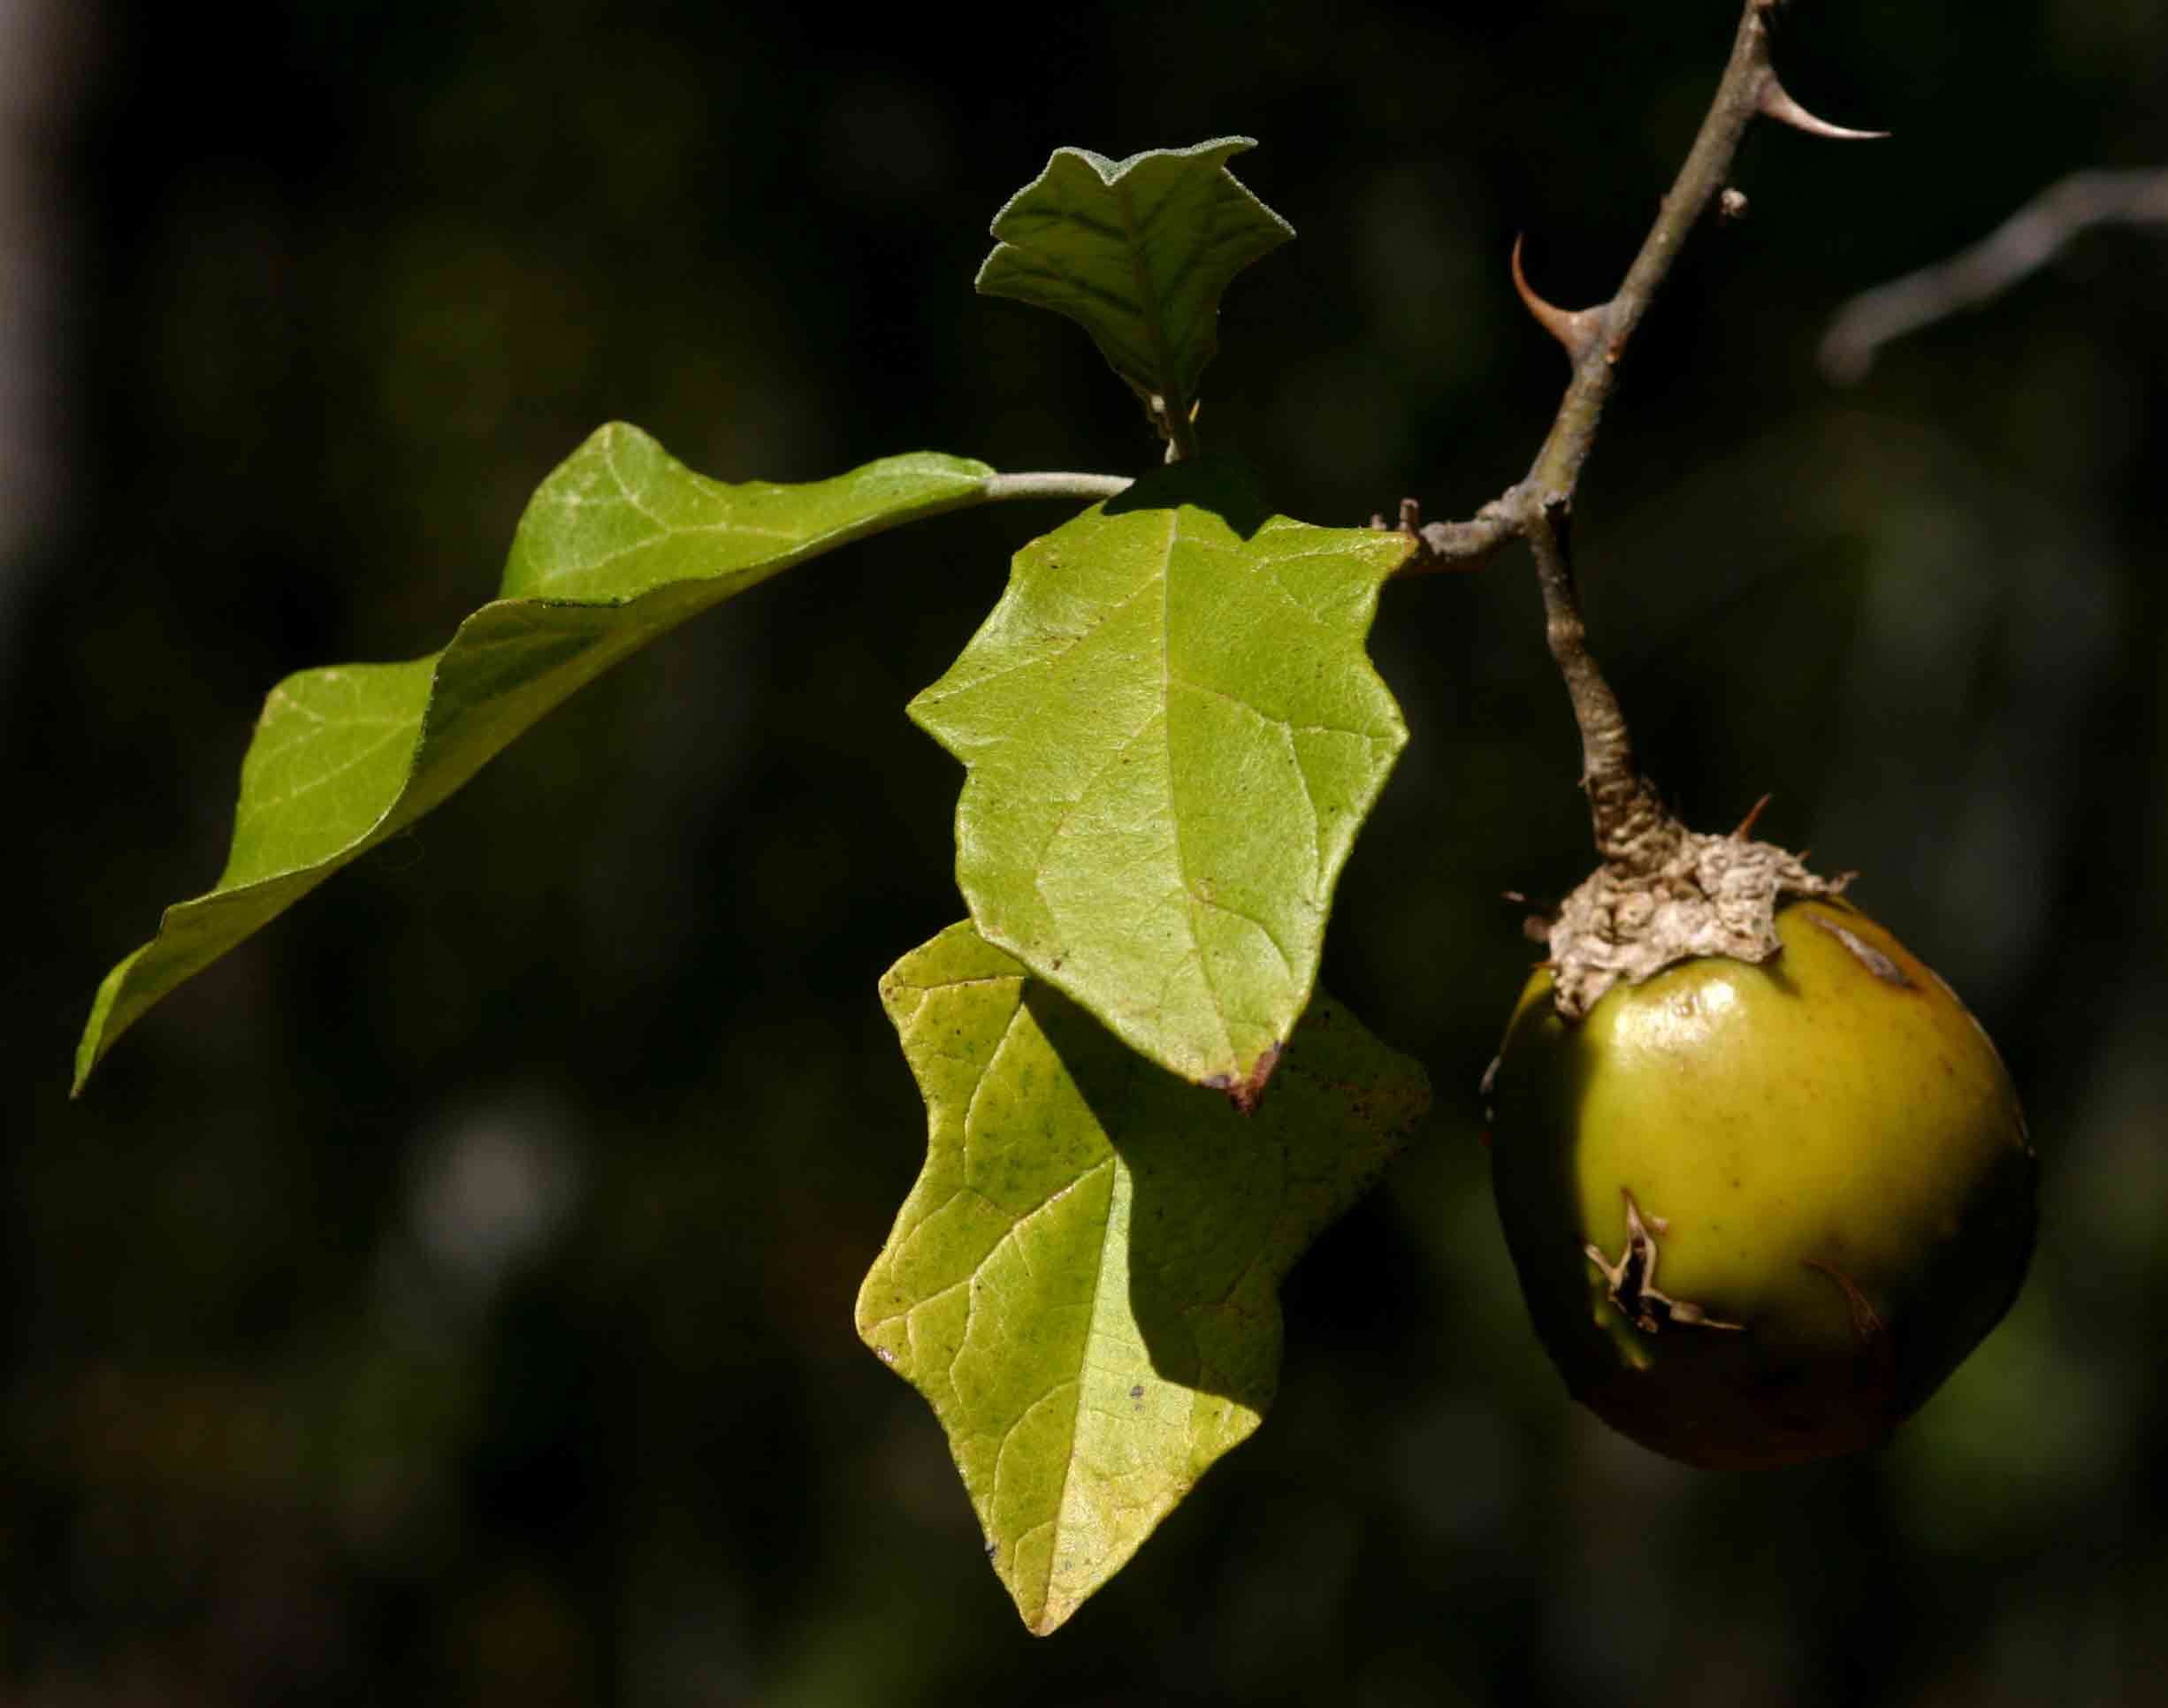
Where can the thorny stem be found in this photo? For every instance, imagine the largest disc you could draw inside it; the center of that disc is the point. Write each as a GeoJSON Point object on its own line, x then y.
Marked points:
{"type": "Point", "coordinates": [1632, 826]}
{"type": "Point", "coordinates": [1740, 96]}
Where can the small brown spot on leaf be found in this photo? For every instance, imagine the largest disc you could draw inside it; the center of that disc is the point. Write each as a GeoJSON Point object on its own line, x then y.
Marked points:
{"type": "Point", "coordinates": [1244, 1095]}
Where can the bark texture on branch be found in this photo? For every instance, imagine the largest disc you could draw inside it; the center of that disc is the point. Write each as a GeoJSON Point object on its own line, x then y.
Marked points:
{"type": "Point", "coordinates": [1662, 893]}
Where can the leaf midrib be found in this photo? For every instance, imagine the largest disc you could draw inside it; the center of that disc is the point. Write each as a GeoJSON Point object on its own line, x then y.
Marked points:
{"type": "Point", "coordinates": [1166, 741]}
{"type": "Point", "coordinates": [1148, 300]}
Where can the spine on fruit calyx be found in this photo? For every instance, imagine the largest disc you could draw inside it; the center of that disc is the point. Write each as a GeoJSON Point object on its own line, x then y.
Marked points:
{"type": "Point", "coordinates": [1663, 893]}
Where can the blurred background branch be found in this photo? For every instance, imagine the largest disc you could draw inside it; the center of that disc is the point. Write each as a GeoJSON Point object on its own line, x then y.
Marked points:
{"type": "Point", "coordinates": [2019, 246]}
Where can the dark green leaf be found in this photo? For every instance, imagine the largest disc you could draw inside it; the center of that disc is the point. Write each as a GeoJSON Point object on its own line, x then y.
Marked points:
{"type": "Point", "coordinates": [1138, 253]}
{"type": "Point", "coordinates": [1084, 1282]}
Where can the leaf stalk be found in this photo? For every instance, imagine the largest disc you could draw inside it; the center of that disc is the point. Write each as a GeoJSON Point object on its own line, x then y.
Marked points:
{"type": "Point", "coordinates": [999, 488]}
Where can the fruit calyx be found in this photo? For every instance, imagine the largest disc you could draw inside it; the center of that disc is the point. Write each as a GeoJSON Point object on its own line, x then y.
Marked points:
{"type": "Point", "coordinates": [1664, 893]}
{"type": "Point", "coordinates": [1678, 894]}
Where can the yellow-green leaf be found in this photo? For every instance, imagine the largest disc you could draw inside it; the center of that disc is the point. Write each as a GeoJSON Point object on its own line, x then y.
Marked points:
{"type": "Point", "coordinates": [1174, 733]}
{"type": "Point", "coordinates": [1083, 1283]}
{"type": "Point", "coordinates": [619, 546]}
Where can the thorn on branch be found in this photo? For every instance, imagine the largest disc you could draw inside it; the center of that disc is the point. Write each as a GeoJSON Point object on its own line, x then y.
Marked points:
{"type": "Point", "coordinates": [1773, 102]}
{"type": "Point", "coordinates": [1634, 830]}
{"type": "Point", "coordinates": [1577, 329]}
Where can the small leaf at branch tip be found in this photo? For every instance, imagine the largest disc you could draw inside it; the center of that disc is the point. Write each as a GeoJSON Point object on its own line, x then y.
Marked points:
{"type": "Point", "coordinates": [1774, 103]}
{"type": "Point", "coordinates": [1576, 329]}
{"type": "Point", "coordinates": [1138, 252]}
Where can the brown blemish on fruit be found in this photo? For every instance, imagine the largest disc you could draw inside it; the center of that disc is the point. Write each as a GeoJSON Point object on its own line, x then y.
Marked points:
{"type": "Point", "coordinates": [1868, 956]}
{"type": "Point", "coordinates": [1865, 1322]}
{"type": "Point", "coordinates": [1630, 1283]}
{"type": "Point", "coordinates": [1866, 1326]}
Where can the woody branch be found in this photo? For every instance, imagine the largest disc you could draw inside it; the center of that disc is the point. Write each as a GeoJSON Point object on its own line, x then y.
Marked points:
{"type": "Point", "coordinates": [1537, 508]}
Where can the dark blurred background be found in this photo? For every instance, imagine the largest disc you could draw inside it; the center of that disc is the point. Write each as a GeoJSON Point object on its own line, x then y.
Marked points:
{"type": "Point", "coordinates": [448, 1298]}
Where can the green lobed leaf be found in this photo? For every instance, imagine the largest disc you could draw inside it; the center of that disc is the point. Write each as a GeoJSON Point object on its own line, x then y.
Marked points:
{"type": "Point", "coordinates": [619, 546]}
{"type": "Point", "coordinates": [1172, 733]}
{"type": "Point", "coordinates": [1138, 253]}
{"type": "Point", "coordinates": [1083, 1283]}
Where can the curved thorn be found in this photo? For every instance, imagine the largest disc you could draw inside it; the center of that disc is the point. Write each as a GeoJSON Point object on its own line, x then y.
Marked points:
{"type": "Point", "coordinates": [1575, 328]}
{"type": "Point", "coordinates": [1774, 103]}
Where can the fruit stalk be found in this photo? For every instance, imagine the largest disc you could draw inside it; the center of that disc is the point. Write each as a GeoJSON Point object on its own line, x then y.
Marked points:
{"type": "Point", "coordinates": [1662, 893]}
{"type": "Point", "coordinates": [1634, 830]}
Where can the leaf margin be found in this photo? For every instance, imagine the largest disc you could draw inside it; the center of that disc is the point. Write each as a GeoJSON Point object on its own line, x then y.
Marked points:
{"type": "Point", "coordinates": [198, 930]}
{"type": "Point", "coordinates": [1010, 270]}
{"type": "Point", "coordinates": [941, 1056]}
{"type": "Point", "coordinates": [1222, 497]}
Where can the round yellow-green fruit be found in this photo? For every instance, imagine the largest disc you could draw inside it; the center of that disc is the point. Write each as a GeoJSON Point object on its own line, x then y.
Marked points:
{"type": "Point", "coordinates": [1760, 1212]}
